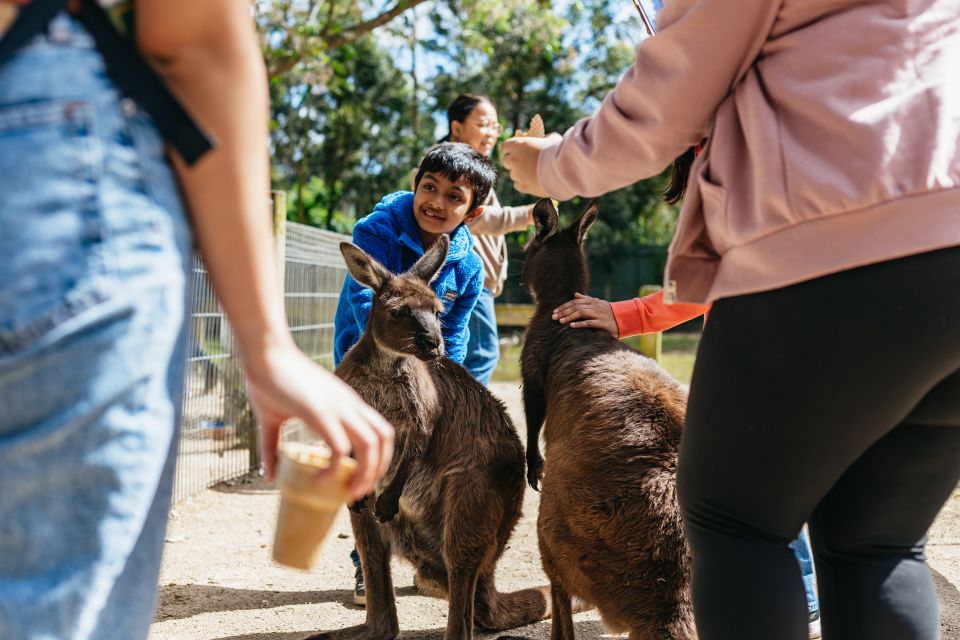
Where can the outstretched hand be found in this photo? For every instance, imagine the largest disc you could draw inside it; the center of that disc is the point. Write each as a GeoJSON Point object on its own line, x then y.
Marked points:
{"type": "Point", "coordinates": [520, 157]}
{"type": "Point", "coordinates": [287, 384]}
{"type": "Point", "coordinates": [584, 312]}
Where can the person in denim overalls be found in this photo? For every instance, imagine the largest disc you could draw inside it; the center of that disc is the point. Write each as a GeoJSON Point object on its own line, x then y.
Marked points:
{"type": "Point", "coordinates": [94, 277]}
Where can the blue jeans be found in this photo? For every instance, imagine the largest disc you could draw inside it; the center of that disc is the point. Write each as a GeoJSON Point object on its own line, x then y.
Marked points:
{"type": "Point", "coordinates": [801, 549]}
{"type": "Point", "coordinates": [483, 348]}
{"type": "Point", "coordinates": [93, 282]}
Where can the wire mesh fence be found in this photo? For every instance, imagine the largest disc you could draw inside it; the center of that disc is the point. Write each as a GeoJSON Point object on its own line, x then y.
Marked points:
{"type": "Point", "coordinates": [216, 435]}
{"type": "Point", "coordinates": [218, 432]}
{"type": "Point", "coordinates": [314, 272]}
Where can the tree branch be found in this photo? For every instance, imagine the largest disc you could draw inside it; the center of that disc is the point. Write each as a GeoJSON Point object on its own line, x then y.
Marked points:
{"type": "Point", "coordinates": [353, 33]}
{"type": "Point", "coordinates": [345, 37]}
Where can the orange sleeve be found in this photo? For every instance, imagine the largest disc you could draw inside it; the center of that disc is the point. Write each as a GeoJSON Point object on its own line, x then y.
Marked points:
{"type": "Point", "coordinates": [651, 314]}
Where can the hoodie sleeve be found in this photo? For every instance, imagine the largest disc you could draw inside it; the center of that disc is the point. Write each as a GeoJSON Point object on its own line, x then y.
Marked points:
{"type": "Point", "coordinates": [456, 330]}
{"type": "Point", "coordinates": [651, 314]}
{"type": "Point", "coordinates": [370, 238]}
{"type": "Point", "coordinates": [496, 220]}
{"type": "Point", "coordinates": [665, 102]}
{"type": "Point", "coordinates": [361, 300]}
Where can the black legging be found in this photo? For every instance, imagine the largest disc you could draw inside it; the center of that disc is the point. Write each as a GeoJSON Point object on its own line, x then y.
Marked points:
{"type": "Point", "coordinates": [835, 401]}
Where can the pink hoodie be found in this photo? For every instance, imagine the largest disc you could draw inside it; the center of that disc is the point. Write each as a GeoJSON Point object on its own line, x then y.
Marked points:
{"type": "Point", "coordinates": [834, 137]}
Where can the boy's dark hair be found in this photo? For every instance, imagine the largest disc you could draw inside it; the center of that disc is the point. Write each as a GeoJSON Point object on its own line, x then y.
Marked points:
{"type": "Point", "coordinates": [455, 159]}
{"type": "Point", "coordinates": [461, 108]}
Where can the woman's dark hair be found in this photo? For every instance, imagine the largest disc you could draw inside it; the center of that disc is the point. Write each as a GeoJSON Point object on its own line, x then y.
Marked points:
{"type": "Point", "coordinates": [461, 108]}
{"type": "Point", "coordinates": [680, 176]}
{"type": "Point", "coordinates": [455, 159]}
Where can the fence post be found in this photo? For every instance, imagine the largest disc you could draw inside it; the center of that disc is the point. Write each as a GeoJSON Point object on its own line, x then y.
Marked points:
{"type": "Point", "coordinates": [651, 344]}
{"type": "Point", "coordinates": [279, 214]}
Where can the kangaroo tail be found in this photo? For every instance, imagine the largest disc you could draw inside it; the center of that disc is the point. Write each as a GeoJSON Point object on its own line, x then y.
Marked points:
{"type": "Point", "coordinates": [496, 611]}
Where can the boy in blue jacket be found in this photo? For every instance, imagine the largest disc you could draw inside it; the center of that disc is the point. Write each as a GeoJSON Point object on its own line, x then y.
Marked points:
{"type": "Point", "coordinates": [452, 182]}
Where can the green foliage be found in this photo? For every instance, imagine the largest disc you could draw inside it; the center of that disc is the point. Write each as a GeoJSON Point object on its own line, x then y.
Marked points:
{"type": "Point", "coordinates": [353, 112]}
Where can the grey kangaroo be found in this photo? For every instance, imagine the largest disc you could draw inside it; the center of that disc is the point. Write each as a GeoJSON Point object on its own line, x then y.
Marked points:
{"type": "Point", "coordinates": [453, 493]}
{"type": "Point", "coordinates": [609, 526]}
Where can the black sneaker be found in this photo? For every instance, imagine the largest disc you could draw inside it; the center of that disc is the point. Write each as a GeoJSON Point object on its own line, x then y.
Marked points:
{"type": "Point", "coordinates": [359, 589]}
{"type": "Point", "coordinates": [813, 625]}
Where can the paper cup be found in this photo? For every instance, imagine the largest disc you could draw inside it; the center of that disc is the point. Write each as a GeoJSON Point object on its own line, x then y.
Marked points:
{"type": "Point", "coordinates": [307, 506]}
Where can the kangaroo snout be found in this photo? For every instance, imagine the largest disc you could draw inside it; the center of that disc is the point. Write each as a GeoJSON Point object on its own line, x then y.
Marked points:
{"type": "Point", "coordinates": [429, 345]}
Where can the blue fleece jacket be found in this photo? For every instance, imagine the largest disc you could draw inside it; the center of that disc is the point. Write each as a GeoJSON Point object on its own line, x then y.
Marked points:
{"type": "Point", "coordinates": [391, 236]}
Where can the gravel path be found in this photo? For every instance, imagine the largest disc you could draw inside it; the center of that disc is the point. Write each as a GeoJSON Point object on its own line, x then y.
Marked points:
{"type": "Point", "coordinates": [218, 581]}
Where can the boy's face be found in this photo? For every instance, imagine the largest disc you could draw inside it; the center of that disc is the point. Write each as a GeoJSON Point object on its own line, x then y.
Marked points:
{"type": "Point", "coordinates": [440, 205]}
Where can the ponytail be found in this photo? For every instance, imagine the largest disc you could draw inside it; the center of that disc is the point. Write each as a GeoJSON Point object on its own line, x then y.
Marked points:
{"type": "Point", "coordinates": [679, 177]}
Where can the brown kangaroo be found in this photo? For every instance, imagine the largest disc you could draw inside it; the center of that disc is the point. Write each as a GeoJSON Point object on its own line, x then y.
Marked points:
{"type": "Point", "coordinates": [609, 525]}
{"type": "Point", "coordinates": [454, 490]}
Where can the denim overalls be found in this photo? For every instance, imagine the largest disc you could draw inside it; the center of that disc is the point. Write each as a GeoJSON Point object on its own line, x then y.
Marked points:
{"type": "Point", "coordinates": [94, 274]}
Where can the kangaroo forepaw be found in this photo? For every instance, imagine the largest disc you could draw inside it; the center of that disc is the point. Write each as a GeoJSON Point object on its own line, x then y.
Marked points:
{"type": "Point", "coordinates": [535, 472]}
{"type": "Point", "coordinates": [386, 507]}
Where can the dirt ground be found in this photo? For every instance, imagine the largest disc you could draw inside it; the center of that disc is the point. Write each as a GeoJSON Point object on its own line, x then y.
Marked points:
{"type": "Point", "coordinates": [218, 581]}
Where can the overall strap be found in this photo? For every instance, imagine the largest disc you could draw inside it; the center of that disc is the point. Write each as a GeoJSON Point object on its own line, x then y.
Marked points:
{"type": "Point", "coordinates": [131, 73]}
{"type": "Point", "coordinates": [125, 66]}
{"type": "Point", "coordinates": [31, 21]}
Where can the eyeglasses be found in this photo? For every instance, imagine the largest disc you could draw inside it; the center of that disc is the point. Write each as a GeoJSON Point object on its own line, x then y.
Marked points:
{"type": "Point", "coordinates": [486, 125]}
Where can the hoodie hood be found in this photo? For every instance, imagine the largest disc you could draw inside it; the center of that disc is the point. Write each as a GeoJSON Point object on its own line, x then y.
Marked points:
{"type": "Point", "coordinates": [395, 213]}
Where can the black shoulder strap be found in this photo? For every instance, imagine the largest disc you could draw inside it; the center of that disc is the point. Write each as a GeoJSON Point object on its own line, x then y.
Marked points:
{"type": "Point", "coordinates": [131, 73]}
{"type": "Point", "coordinates": [126, 67]}
{"type": "Point", "coordinates": [32, 20]}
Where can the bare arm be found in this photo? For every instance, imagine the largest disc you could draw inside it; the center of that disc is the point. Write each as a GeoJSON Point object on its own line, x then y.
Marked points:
{"type": "Point", "coordinates": [208, 54]}
{"type": "Point", "coordinates": [7, 13]}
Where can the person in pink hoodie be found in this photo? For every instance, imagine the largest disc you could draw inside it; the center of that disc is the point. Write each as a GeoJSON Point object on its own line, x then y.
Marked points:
{"type": "Point", "coordinates": [822, 222]}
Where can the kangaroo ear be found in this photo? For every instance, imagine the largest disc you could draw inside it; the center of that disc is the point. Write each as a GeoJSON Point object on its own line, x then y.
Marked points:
{"type": "Point", "coordinates": [428, 266]}
{"type": "Point", "coordinates": [585, 220]}
{"type": "Point", "coordinates": [363, 268]}
{"type": "Point", "coordinates": [545, 218]}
